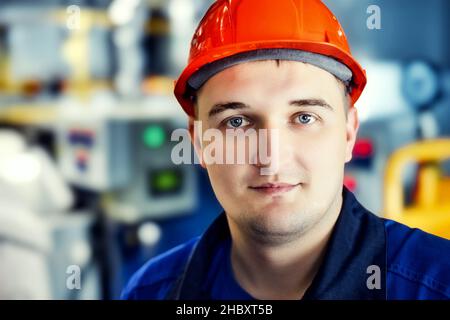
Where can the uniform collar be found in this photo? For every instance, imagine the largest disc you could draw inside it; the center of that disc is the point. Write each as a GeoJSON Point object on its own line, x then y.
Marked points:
{"type": "Point", "coordinates": [357, 243]}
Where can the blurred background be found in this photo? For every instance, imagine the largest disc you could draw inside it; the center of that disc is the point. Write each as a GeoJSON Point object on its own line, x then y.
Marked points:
{"type": "Point", "coordinates": [88, 191]}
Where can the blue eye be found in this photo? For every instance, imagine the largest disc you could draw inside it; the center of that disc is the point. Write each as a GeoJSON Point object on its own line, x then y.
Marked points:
{"type": "Point", "coordinates": [236, 122]}
{"type": "Point", "coordinates": [305, 118]}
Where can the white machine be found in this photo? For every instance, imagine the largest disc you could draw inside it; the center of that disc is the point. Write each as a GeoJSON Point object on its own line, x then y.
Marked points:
{"type": "Point", "coordinates": [39, 237]}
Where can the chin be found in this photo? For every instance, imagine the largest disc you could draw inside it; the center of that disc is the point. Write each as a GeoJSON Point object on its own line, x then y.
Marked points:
{"type": "Point", "coordinates": [281, 216]}
{"type": "Point", "coordinates": [278, 231]}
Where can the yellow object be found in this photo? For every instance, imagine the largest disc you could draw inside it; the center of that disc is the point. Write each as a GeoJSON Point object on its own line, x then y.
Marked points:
{"type": "Point", "coordinates": [158, 85]}
{"type": "Point", "coordinates": [29, 115]}
{"type": "Point", "coordinates": [77, 50]}
{"type": "Point", "coordinates": [431, 208]}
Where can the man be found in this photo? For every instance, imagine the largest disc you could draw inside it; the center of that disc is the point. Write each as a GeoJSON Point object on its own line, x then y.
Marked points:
{"type": "Point", "coordinates": [294, 231]}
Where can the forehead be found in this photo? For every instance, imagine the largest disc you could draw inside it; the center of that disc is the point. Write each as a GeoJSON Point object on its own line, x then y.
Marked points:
{"type": "Point", "coordinates": [267, 82]}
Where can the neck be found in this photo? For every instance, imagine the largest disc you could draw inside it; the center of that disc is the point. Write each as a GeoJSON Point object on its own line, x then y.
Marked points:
{"type": "Point", "coordinates": [284, 271]}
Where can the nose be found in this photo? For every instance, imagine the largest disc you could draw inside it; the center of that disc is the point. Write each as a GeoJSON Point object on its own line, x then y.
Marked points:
{"type": "Point", "coordinates": [275, 150]}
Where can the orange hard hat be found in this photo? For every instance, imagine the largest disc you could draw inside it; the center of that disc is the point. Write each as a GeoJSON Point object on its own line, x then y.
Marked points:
{"type": "Point", "coordinates": [234, 31]}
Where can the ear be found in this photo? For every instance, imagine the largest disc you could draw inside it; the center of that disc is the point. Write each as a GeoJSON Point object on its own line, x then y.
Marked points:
{"type": "Point", "coordinates": [351, 130]}
{"type": "Point", "coordinates": [195, 136]}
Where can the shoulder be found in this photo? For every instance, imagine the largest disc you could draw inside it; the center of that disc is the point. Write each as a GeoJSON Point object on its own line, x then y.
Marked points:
{"type": "Point", "coordinates": [418, 263]}
{"type": "Point", "coordinates": [157, 276]}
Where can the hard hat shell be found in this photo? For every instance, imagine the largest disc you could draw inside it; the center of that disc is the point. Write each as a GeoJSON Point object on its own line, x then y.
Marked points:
{"type": "Point", "coordinates": [232, 27]}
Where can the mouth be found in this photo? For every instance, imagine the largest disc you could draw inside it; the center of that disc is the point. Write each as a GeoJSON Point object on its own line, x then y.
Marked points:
{"type": "Point", "coordinates": [274, 188]}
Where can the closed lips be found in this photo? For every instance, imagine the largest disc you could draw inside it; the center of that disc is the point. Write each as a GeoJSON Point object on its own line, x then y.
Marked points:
{"type": "Point", "coordinates": [274, 185]}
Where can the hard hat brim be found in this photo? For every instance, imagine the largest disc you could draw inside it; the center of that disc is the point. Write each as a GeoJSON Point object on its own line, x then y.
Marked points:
{"type": "Point", "coordinates": [184, 93]}
{"type": "Point", "coordinates": [336, 68]}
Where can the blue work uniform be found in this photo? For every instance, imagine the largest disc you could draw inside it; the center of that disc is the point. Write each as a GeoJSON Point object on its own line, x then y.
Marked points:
{"type": "Point", "coordinates": [367, 257]}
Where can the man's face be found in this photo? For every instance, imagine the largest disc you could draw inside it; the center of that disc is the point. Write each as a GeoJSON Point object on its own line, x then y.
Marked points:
{"type": "Point", "coordinates": [306, 106]}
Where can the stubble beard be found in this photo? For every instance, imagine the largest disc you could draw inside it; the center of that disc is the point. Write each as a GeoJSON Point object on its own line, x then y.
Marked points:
{"type": "Point", "coordinates": [270, 233]}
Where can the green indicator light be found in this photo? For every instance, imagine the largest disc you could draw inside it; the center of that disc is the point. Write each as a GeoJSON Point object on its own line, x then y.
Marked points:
{"type": "Point", "coordinates": [166, 181]}
{"type": "Point", "coordinates": [154, 136]}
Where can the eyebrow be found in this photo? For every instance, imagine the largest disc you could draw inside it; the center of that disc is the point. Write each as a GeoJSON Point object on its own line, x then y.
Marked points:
{"type": "Point", "coordinates": [221, 107]}
{"type": "Point", "coordinates": [311, 102]}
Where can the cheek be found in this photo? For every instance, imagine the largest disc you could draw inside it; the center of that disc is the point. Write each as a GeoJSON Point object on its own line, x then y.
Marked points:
{"type": "Point", "coordinates": [324, 155]}
{"type": "Point", "coordinates": [225, 179]}
{"type": "Point", "coordinates": [216, 175]}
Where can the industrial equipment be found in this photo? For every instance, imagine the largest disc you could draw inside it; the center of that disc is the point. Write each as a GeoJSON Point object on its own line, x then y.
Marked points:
{"type": "Point", "coordinates": [430, 209]}
{"type": "Point", "coordinates": [125, 153]}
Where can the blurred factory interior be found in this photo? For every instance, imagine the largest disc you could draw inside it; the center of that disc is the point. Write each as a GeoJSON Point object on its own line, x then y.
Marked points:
{"type": "Point", "coordinates": [87, 111]}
